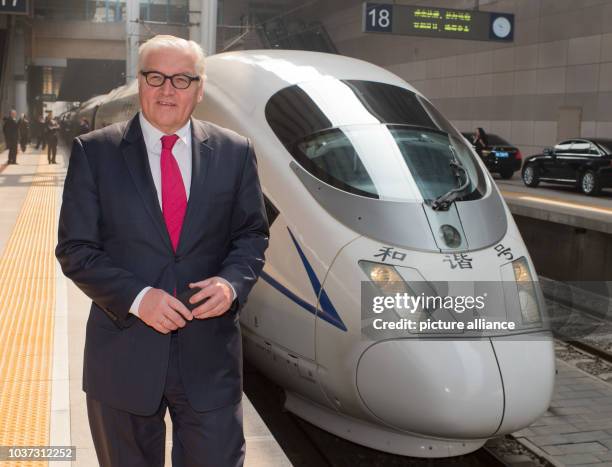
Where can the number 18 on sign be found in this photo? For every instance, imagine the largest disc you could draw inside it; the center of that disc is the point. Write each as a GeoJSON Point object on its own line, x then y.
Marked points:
{"type": "Point", "coordinates": [378, 18]}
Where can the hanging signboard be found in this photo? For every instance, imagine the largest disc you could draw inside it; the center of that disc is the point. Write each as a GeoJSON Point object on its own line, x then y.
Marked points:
{"type": "Point", "coordinates": [15, 7]}
{"type": "Point", "coordinates": [447, 23]}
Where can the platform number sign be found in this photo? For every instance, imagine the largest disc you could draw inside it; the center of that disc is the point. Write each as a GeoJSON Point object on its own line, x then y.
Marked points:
{"type": "Point", "coordinates": [14, 6]}
{"type": "Point", "coordinates": [437, 21]}
{"type": "Point", "coordinates": [378, 18]}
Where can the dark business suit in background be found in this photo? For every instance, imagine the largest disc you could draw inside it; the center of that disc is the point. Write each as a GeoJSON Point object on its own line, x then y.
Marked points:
{"type": "Point", "coordinates": [11, 138]}
{"type": "Point", "coordinates": [113, 242]}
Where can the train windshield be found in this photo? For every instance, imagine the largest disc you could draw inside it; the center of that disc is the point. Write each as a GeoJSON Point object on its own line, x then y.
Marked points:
{"type": "Point", "coordinates": [375, 140]}
{"type": "Point", "coordinates": [392, 162]}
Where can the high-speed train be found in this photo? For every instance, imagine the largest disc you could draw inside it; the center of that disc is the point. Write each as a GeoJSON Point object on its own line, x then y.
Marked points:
{"type": "Point", "coordinates": [366, 183]}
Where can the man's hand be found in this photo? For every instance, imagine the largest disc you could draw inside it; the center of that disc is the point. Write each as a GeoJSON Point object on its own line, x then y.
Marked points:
{"type": "Point", "coordinates": [219, 296]}
{"type": "Point", "coordinates": [162, 311]}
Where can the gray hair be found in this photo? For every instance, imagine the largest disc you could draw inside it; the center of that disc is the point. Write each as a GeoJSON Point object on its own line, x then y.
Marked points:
{"type": "Point", "coordinates": [172, 42]}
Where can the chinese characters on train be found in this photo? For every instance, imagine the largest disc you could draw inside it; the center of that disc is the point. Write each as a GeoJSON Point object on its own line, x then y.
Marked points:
{"type": "Point", "coordinates": [391, 253]}
{"type": "Point", "coordinates": [453, 260]}
{"type": "Point", "coordinates": [506, 252]}
{"type": "Point", "coordinates": [458, 260]}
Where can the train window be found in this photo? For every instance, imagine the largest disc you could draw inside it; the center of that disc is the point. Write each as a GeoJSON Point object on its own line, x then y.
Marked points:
{"type": "Point", "coordinates": [372, 139]}
{"type": "Point", "coordinates": [331, 157]}
{"type": "Point", "coordinates": [417, 166]}
{"type": "Point", "coordinates": [301, 110]}
{"type": "Point", "coordinates": [429, 154]}
{"type": "Point", "coordinates": [292, 114]}
{"type": "Point", "coordinates": [440, 122]}
{"type": "Point", "coordinates": [391, 104]}
{"type": "Point", "coordinates": [271, 211]}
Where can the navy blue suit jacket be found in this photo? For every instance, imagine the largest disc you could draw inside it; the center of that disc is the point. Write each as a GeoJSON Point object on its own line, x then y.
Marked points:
{"type": "Point", "coordinates": [113, 242]}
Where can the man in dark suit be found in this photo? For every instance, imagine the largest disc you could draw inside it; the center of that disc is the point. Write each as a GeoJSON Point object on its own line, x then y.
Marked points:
{"type": "Point", "coordinates": [153, 208]}
{"type": "Point", "coordinates": [52, 129]}
{"type": "Point", "coordinates": [40, 132]}
{"type": "Point", "coordinates": [11, 136]}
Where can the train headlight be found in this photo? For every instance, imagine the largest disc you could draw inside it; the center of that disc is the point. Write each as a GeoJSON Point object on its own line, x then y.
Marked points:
{"type": "Point", "coordinates": [385, 277]}
{"type": "Point", "coordinates": [450, 236]}
{"type": "Point", "coordinates": [530, 311]}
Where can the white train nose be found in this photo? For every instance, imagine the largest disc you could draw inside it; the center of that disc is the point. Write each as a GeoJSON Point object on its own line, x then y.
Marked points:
{"type": "Point", "coordinates": [527, 364]}
{"type": "Point", "coordinates": [447, 389]}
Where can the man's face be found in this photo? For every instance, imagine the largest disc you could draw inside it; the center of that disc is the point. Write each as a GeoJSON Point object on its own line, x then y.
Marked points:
{"type": "Point", "coordinates": [13, 114]}
{"type": "Point", "coordinates": [166, 107]}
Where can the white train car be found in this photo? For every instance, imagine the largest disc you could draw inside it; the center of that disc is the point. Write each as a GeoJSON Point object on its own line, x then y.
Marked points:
{"type": "Point", "coordinates": [367, 183]}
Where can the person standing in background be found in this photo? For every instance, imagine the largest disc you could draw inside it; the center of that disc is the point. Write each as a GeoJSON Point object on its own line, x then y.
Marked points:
{"type": "Point", "coordinates": [52, 130]}
{"type": "Point", "coordinates": [11, 136]}
{"type": "Point", "coordinates": [480, 141]}
{"type": "Point", "coordinates": [40, 133]}
{"type": "Point", "coordinates": [24, 132]}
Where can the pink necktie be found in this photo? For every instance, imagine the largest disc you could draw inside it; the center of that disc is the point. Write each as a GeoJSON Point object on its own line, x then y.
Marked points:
{"type": "Point", "coordinates": [174, 198]}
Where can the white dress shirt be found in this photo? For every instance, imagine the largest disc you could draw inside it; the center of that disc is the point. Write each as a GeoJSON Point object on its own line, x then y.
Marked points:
{"type": "Point", "coordinates": [182, 153]}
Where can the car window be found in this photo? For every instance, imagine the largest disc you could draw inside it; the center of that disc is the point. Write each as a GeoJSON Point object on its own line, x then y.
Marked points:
{"type": "Point", "coordinates": [593, 150]}
{"type": "Point", "coordinates": [580, 147]}
{"type": "Point", "coordinates": [496, 140]}
{"type": "Point", "coordinates": [605, 145]}
{"type": "Point", "coordinates": [563, 147]}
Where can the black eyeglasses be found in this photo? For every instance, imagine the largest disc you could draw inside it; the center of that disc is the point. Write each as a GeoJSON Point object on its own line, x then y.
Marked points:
{"type": "Point", "coordinates": [179, 81]}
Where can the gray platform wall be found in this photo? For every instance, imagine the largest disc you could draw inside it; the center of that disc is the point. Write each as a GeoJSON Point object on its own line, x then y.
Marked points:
{"type": "Point", "coordinates": [567, 253]}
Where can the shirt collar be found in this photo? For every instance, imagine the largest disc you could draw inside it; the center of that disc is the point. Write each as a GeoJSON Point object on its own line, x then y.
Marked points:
{"type": "Point", "coordinates": [153, 136]}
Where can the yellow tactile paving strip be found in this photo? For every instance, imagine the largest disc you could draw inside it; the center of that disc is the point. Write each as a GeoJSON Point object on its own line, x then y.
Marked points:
{"type": "Point", "coordinates": [27, 301]}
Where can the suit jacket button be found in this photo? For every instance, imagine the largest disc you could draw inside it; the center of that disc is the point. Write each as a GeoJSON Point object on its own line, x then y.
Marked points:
{"type": "Point", "coordinates": [177, 259]}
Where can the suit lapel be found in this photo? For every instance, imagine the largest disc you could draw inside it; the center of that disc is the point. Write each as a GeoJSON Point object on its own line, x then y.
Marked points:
{"type": "Point", "coordinates": [135, 155]}
{"type": "Point", "coordinates": [201, 153]}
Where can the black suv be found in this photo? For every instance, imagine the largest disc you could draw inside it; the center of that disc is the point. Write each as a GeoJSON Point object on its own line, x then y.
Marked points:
{"type": "Point", "coordinates": [585, 163]}
{"type": "Point", "coordinates": [499, 156]}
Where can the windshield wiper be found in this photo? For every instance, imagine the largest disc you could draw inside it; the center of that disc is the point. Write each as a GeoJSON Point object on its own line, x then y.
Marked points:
{"type": "Point", "coordinates": [443, 202]}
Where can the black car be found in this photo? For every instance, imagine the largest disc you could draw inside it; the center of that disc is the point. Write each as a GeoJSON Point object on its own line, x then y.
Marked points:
{"type": "Point", "coordinates": [499, 156]}
{"type": "Point", "coordinates": [584, 163]}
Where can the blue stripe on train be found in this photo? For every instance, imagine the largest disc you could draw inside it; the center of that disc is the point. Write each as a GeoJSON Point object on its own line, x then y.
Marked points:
{"type": "Point", "coordinates": [327, 312]}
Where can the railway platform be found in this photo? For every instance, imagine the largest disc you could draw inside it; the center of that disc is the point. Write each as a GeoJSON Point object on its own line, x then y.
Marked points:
{"type": "Point", "coordinates": [577, 428]}
{"type": "Point", "coordinates": [580, 225]}
{"type": "Point", "coordinates": [559, 205]}
{"type": "Point", "coordinates": [42, 327]}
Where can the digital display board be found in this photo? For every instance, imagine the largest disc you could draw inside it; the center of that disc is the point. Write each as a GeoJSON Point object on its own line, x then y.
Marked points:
{"type": "Point", "coordinates": [447, 23]}
{"type": "Point", "coordinates": [15, 7]}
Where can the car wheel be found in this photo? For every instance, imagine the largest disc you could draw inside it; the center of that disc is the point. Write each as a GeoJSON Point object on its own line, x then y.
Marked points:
{"type": "Point", "coordinates": [531, 176]}
{"type": "Point", "coordinates": [590, 183]}
{"type": "Point", "coordinates": [506, 174]}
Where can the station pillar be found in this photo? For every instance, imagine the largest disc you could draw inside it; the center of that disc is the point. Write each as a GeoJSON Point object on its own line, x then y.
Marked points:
{"type": "Point", "coordinates": [132, 25]}
{"type": "Point", "coordinates": [203, 15]}
{"type": "Point", "coordinates": [19, 71]}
